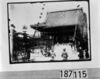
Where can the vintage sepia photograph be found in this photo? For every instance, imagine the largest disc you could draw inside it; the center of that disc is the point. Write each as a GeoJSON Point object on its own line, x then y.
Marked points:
{"type": "Point", "coordinates": [49, 31]}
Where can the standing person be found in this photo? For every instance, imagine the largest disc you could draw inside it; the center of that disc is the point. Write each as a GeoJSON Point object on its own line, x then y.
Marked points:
{"type": "Point", "coordinates": [81, 56]}
{"type": "Point", "coordinates": [64, 55]}
{"type": "Point", "coordinates": [53, 55]}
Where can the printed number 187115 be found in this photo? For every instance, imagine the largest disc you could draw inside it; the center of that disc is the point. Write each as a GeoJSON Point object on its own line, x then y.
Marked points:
{"type": "Point", "coordinates": [74, 74]}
